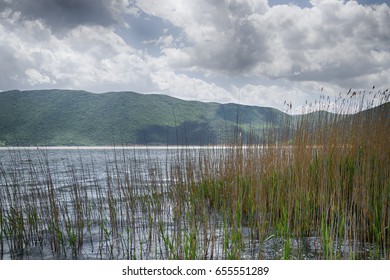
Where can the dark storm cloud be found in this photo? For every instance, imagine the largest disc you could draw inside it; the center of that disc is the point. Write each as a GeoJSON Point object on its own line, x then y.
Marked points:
{"type": "Point", "coordinates": [64, 14]}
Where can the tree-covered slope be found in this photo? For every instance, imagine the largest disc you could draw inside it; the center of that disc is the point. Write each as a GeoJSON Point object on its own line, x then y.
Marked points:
{"type": "Point", "coordinates": [64, 117]}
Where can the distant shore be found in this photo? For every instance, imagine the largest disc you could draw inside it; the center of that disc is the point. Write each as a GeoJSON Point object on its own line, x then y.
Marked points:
{"type": "Point", "coordinates": [142, 147]}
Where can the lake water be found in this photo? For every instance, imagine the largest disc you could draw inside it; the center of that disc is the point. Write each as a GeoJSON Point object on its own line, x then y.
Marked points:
{"type": "Point", "coordinates": [119, 203]}
{"type": "Point", "coordinates": [112, 202]}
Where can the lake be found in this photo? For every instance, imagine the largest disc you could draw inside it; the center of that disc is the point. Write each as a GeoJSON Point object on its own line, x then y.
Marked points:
{"type": "Point", "coordinates": [77, 191]}
{"type": "Point", "coordinates": [125, 203]}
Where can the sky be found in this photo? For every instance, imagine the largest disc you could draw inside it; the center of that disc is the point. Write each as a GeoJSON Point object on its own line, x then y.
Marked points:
{"type": "Point", "coordinates": [253, 52]}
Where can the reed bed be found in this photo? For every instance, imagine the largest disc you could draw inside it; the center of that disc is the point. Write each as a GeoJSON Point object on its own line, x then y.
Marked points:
{"type": "Point", "coordinates": [324, 193]}
{"type": "Point", "coordinates": [318, 190]}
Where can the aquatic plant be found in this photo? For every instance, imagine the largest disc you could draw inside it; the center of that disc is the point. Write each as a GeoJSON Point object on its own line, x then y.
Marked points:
{"type": "Point", "coordinates": [319, 189]}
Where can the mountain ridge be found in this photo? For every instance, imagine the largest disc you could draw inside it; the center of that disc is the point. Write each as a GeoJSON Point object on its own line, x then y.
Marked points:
{"type": "Point", "coordinates": [59, 117]}
{"type": "Point", "coordinates": [71, 117]}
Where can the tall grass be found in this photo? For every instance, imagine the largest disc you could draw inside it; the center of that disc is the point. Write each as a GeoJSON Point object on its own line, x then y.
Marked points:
{"type": "Point", "coordinates": [318, 189]}
{"type": "Point", "coordinates": [329, 184]}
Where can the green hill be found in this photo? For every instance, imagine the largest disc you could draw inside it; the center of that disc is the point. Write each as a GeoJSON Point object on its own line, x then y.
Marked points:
{"type": "Point", "coordinates": [65, 117]}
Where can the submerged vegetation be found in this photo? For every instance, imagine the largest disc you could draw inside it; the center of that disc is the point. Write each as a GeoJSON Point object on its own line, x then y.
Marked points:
{"type": "Point", "coordinates": [318, 191]}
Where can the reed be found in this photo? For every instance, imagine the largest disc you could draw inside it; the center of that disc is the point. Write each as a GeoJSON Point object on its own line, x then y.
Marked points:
{"type": "Point", "coordinates": [319, 189]}
{"type": "Point", "coordinates": [330, 181]}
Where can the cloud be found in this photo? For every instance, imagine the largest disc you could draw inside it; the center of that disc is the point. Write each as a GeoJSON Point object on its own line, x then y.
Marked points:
{"type": "Point", "coordinates": [34, 77]}
{"type": "Point", "coordinates": [86, 57]}
{"type": "Point", "coordinates": [62, 15]}
{"type": "Point", "coordinates": [333, 41]}
{"type": "Point", "coordinates": [244, 51]}
{"type": "Point", "coordinates": [189, 88]}
{"type": "Point", "coordinates": [219, 35]}
{"type": "Point", "coordinates": [304, 97]}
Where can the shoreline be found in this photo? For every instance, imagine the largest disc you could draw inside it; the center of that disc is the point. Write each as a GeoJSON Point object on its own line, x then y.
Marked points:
{"type": "Point", "coordinates": [135, 147]}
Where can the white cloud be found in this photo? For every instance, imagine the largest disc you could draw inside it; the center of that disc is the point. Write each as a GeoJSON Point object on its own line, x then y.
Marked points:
{"type": "Point", "coordinates": [34, 77]}
{"type": "Point", "coordinates": [205, 50]}
{"type": "Point", "coordinates": [276, 96]}
{"type": "Point", "coordinates": [185, 87]}
{"type": "Point", "coordinates": [219, 35]}
{"type": "Point", "coordinates": [88, 57]}
{"type": "Point", "coordinates": [334, 41]}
